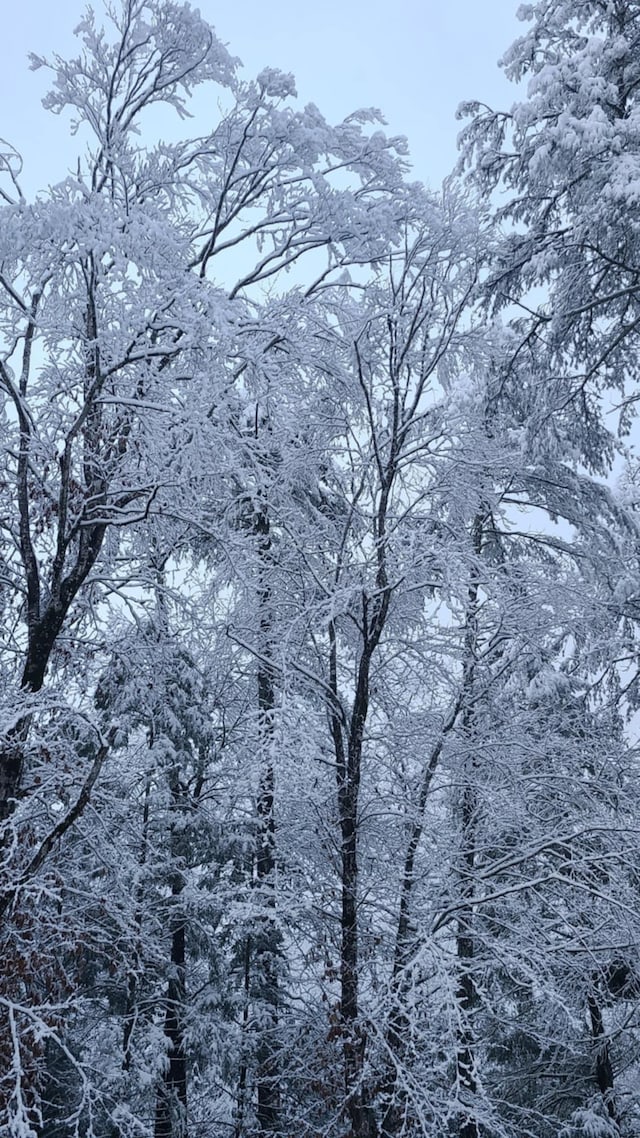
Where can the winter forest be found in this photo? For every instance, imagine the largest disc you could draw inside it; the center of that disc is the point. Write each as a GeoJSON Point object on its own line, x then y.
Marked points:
{"type": "Point", "coordinates": [320, 590]}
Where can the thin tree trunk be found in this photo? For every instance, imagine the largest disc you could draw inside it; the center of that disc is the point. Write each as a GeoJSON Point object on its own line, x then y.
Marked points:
{"type": "Point", "coordinates": [266, 938]}
{"type": "Point", "coordinates": [397, 1027]}
{"type": "Point", "coordinates": [465, 940]}
{"type": "Point", "coordinates": [132, 983]}
{"type": "Point", "coordinates": [171, 1102]}
{"type": "Point", "coordinates": [266, 960]}
{"type": "Point", "coordinates": [354, 1040]}
{"type": "Point", "coordinates": [242, 1074]}
{"type": "Point", "coordinates": [465, 951]}
{"type": "Point", "coordinates": [171, 1120]}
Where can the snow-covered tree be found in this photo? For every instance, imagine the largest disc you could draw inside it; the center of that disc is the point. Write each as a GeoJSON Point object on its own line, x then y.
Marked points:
{"type": "Point", "coordinates": [565, 159]}
{"type": "Point", "coordinates": [317, 807]}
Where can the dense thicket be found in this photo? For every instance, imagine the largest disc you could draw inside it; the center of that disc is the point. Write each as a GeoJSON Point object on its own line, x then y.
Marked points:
{"type": "Point", "coordinates": [318, 789]}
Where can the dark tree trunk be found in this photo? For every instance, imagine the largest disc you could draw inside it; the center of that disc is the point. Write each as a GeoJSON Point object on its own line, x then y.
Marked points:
{"type": "Point", "coordinates": [466, 992]}
{"type": "Point", "coordinates": [241, 1098]}
{"type": "Point", "coordinates": [358, 1096]}
{"type": "Point", "coordinates": [132, 982]}
{"type": "Point", "coordinates": [354, 1040]}
{"type": "Point", "coordinates": [266, 943]}
{"type": "Point", "coordinates": [465, 938]}
{"type": "Point", "coordinates": [43, 632]}
{"type": "Point", "coordinates": [11, 767]}
{"type": "Point", "coordinates": [77, 546]}
{"type": "Point", "coordinates": [42, 636]}
{"type": "Point", "coordinates": [171, 1103]}
{"type": "Point", "coordinates": [266, 936]}
{"type": "Point", "coordinates": [603, 1067]}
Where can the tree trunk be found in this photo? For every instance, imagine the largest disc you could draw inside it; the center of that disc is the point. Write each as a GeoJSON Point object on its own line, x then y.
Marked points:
{"type": "Point", "coordinates": [354, 1040]}
{"type": "Point", "coordinates": [392, 1114]}
{"type": "Point", "coordinates": [603, 1067]}
{"type": "Point", "coordinates": [171, 1103]}
{"type": "Point", "coordinates": [41, 639]}
{"type": "Point", "coordinates": [266, 958]}
{"type": "Point", "coordinates": [43, 632]}
{"type": "Point", "coordinates": [241, 1097]}
{"type": "Point", "coordinates": [466, 991]}
{"type": "Point", "coordinates": [132, 981]}
{"type": "Point", "coordinates": [465, 940]}
{"type": "Point", "coordinates": [348, 774]}
{"type": "Point", "coordinates": [266, 937]}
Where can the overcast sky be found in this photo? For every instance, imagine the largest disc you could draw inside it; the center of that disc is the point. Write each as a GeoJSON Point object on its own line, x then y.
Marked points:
{"type": "Point", "coordinates": [414, 59]}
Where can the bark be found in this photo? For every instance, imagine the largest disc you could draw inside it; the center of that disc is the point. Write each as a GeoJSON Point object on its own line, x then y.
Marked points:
{"type": "Point", "coordinates": [358, 1096]}
{"type": "Point", "coordinates": [466, 991]}
{"type": "Point", "coordinates": [132, 982]}
{"type": "Point", "coordinates": [603, 1067]}
{"type": "Point", "coordinates": [171, 1102]}
{"type": "Point", "coordinates": [171, 1118]}
{"type": "Point", "coordinates": [348, 737]}
{"type": "Point", "coordinates": [11, 767]}
{"type": "Point", "coordinates": [84, 535]}
{"type": "Point", "coordinates": [266, 960]}
{"type": "Point", "coordinates": [465, 939]}
{"type": "Point", "coordinates": [243, 1072]}
{"type": "Point", "coordinates": [266, 936]}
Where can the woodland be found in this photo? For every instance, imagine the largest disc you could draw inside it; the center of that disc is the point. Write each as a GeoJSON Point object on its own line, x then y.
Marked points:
{"type": "Point", "coordinates": [320, 591]}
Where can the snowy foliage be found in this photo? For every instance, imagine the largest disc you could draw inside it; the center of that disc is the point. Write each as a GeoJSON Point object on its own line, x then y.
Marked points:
{"type": "Point", "coordinates": [318, 793]}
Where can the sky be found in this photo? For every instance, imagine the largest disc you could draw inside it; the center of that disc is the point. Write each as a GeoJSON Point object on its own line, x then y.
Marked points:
{"type": "Point", "coordinates": [415, 60]}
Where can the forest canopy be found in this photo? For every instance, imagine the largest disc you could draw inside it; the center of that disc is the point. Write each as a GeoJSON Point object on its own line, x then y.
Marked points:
{"type": "Point", "coordinates": [320, 591]}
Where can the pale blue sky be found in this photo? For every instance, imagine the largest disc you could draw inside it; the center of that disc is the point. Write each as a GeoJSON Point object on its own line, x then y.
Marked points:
{"type": "Point", "coordinates": [414, 59]}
